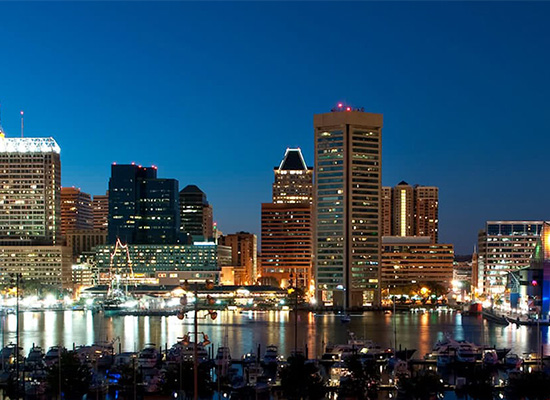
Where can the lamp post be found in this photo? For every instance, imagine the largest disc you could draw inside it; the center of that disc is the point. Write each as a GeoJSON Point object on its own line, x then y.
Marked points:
{"type": "Point", "coordinates": [182, 313]}
{"type": "Point", "coordinates": [17, 277]}
{"type": "Point", "coordinates": [293, 289]}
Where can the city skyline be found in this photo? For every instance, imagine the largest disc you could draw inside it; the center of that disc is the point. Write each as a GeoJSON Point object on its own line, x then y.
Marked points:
{"type": "Point", "coordinates": [460, 83]}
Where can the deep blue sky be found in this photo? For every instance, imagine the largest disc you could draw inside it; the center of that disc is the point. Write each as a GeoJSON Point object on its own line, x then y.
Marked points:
{"type": "Point", "coordinates": [213, 93]}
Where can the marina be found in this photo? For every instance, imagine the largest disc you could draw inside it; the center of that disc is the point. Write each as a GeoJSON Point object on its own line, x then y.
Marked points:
{"type": "Point", "coordinates": [249, 348]}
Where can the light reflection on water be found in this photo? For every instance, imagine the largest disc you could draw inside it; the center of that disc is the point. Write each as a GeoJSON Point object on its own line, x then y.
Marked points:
{"type": "Point", "coordinates": [244, 332]}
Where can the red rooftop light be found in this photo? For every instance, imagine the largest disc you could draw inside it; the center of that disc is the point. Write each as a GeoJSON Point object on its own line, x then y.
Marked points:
{"type": "Point", "coordinates": [340, 105]}
{"type": "Point", "coordinates": [348, 108]}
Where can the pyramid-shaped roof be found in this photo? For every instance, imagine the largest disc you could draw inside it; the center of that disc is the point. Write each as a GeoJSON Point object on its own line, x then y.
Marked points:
{"type": "Point", "coordinates": [191, 189]}
{"type": "Point", "coordinates": [293, 161]}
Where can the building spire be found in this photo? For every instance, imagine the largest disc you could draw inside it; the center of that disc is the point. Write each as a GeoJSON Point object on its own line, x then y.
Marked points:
{"type": "Point", "coordinates": [1, 130]}
{"type": "Point", "coordinates": [22, 124]}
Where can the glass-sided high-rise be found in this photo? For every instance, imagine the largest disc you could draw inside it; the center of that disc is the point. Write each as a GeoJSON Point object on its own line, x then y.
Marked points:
{"type": "Point", "coordinates": [143, 209]}
{"type": "Point", "coordinates": [348, 157]}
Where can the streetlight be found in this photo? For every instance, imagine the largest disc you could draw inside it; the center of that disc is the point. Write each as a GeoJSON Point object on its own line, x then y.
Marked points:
{"type": "Point", "coordinates": [182, 314]}
{"type": "Point", "coordinates": [293, 288]}
{"type": "Point", "coordinates": [17, 277]}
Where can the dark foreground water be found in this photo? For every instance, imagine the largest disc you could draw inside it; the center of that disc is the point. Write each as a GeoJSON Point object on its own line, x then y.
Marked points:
{"type": "Point", "coordinates": [244, 332]}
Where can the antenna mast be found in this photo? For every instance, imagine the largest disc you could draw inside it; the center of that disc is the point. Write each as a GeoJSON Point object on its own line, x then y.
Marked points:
{"type": "Point", "coordinates": [22, 124]}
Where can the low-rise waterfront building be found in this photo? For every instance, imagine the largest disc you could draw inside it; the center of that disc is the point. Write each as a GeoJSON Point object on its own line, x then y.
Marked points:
{"type": "Point", "coordinates": [411, 260]}
{"type": "Point", "coordinates": [504, 247]}
{"type": "Point", "coordinates": [82, 275]}
{"type": "Point", "coordinates": [142, 263]}
{"type": "Point", "coordinates": [50, 265]}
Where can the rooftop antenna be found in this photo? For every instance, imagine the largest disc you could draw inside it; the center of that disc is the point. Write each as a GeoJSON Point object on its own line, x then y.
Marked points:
{"type": "Point", "coordinates": [22, 124]}
{"type": "Point", "coordinates": [1, 130]}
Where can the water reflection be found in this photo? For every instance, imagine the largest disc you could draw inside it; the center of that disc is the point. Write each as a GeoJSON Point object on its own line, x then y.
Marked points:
{"type": "Point", "coordinates": [244, 332]}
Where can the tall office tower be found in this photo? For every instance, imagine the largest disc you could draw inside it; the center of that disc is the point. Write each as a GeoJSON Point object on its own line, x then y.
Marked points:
{"type": "Point", "coordinates": [293, 179]}
{"type": "Point", "coordinates": [348, 157]}
{"type": "Point", "coordinates": [403, 209]}
{"type": "Point", "coordinates": [503, 247]}
{"type": "Point", "coordinates": [287, 230]}
{"type": "Point", "coordinates": [386, 212]}
{"type": "Point", "coordinates": [30, 191]}
{"type": "Point", "coordinates": [195, 213]}
{"type": "Point", "coordinates": [76, 210]}
{"type": "Point", "coordinates": [427, 212]}
{"type": "Point", "coordinates": [30, 211]}
{"type": "Point", "coordinates": [142, 208]}
{"type": "Point", "coordinates": [100, 209]}
{"type": "Point", "coordinates": [244, 249]}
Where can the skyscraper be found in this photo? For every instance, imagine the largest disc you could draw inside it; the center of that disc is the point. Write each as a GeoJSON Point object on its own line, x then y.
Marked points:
{"type": "Point", "coordinates": [76, 210]}
{"type": "Point", "coordinates": [287, 230]}
{"type": "Point", "coordinates": [410, 211]}
{"type": "Point", "coordinates": [30, 190]}
{"type": "Point", "coordinates": [348, 158]}
{"type": "Point", "coordinates": [143, 209]}
{"type": "Point", "coordinates": [195, 213]}
{"type": "Point", "coordinates": [100, 209]}
{"type": "Point", "coordinates": [30, 211]}
{"type": "Point", "coordinates": [293, 179]}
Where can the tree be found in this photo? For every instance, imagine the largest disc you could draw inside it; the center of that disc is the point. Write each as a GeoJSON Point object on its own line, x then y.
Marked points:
{"type": "Point", "coordinates": [75, 377]}
{"type": "Point", "coordinates": [301, 380]}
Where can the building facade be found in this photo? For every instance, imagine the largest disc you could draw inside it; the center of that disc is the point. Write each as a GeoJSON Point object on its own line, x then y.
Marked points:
{"type": "Point", "coordinates": [30, 191]}
{"type": "Point", "coordinates": [84, 241]}
{"type": "Point", "coordinates": [410, 260]}
{"type": "Point", "coordinates": [287, 228]}
{"type": "Point", "coordinates": [504, 247]}
{"type": "Point", "coordinates": [50, 265]}
{"type": "Point", "coordinates": [348, 173]}
{"type": "Point", "coordinates": [30, 211]}
{"type": "Point", "coordinates": [143, 209]}
{"type": "Point", "coordinates": [287, 243]}
{"type": "Point", "coordinates": [195, 213]}
{"type": "Point", "coordinates": [410, 211]}
{"type": "Point", "coordinates": [76, 210]}
{"type": "Point", "coordinates": [293, 179]}
{"type": "Point", "coordinates": [100, 210]}
{"type": "Point", "coordinates": [244, 249]}
{"type": "Point", "coordinates": [141, 263]}
{"type": "Point", "coordinates": [386, 211]}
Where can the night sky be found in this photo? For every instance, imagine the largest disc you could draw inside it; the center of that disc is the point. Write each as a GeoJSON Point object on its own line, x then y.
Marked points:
{"type": "Point", "coordinates": [213, 94]}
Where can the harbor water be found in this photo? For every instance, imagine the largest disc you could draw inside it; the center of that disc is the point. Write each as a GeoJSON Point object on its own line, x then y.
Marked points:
{"type": "Point", "coordinates": [243, 332]}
